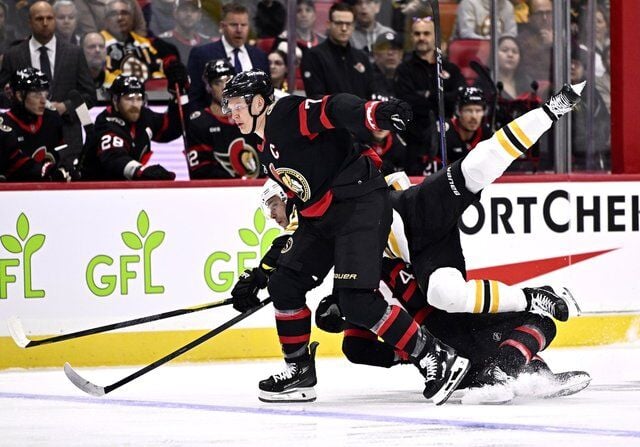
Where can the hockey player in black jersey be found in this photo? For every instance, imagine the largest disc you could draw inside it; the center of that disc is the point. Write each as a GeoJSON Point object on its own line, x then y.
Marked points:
{"type": "Point", "coordinates": [124, 131]}
{"type": "Point", "coordinates": [345, 215]}
{"type": "Point", "coordinates": [216, 148]}
{"type": "Point", "coordinates": [424, 230]}
{"type": "Point", "coordinates": [35, 129]}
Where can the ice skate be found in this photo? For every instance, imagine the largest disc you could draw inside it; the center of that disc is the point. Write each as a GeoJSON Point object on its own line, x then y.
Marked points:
{"type": "Point", "coordinates": [544, 301]}
{"type": "Point", "coordinates": [547, 385]}
{"type": "Point", "coordinates": [494, 387]}
{"type": "Point", "coordinates": [294, 384]}
{"type": "Point", "coordinates": [563, 101]}
{"type": "Point", "coordinates": [443, 370]}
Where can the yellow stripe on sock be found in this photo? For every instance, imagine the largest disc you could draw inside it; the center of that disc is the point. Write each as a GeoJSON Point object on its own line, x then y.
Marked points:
{"type": "Point", "coordinates": [478, 306]}
{"type": "Point", "coordinates": [517, 131]}
{"type": "Point", "coordinates": [506, 145]}
{"type": "Point", "coordinates": [495, 297]}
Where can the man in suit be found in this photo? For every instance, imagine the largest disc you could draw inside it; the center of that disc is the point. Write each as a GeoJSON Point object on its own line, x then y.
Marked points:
{"type": "Point", "coordinates": [63, 64]}
{"type": "Point", "coordinates": [232, 46]}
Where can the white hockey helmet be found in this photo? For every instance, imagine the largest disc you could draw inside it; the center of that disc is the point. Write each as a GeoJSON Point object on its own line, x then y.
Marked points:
{"type": "Point", "coordinates": [269, 190]}
{"type": "Point", "coordinates": [398, 181]}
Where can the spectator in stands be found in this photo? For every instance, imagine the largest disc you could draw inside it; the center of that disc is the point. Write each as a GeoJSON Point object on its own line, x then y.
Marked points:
{"type": "Point", "coordinates": [387, 54]}
{"type": "Point", "coordinates": [603, 83]}
{"type": "Point", "coordinates": [473, 20]}
{"type": "Point", "coordinates": [270, 18]}
{"type": "Point", "coordinates": [590, 122]}
{"type": "Point", "coordinates": [536, 41]}
{"type": "Point", "coordinates": [416, 83]}
{"type": "Point", "coordinates": [93, 46]}
{"type": "Point", "coordinates": [367, 28]}
{"type": "Point", "coordinates": [66, 21]}
{"type": "Point", "coordinates": [335, 66]}
{"type": "Point", "coordinates": [92, 15]}
{"type": "Point", "coordinates": [520, 11]}
{"type": "Point", "coordinates": [388, 146]}
{"type": "Point", "coordinates": [185, 36]}
{"type": "Point", "coordinates": [232, 46]}
{"type": "Point", "coordinates": [278, 70]}
{"type": "Point", "coordinates": [7, 34]}
{"type": "Point", "coordinates": [162, 17]}
{"type": "Point", "coordinates": [463, 131]}
{"type": "Point", "coordinates": [63, 64]}
{"type": "Point", "coordinates": [127, 51]}
{"type": "Point", "coordinates": [305, 23]}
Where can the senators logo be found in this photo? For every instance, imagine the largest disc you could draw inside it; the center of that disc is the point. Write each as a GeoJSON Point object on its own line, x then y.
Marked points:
{"type": "Point", "coordinates": [241, 159]}
{"type": "Point", "coordinates": [293, 180]}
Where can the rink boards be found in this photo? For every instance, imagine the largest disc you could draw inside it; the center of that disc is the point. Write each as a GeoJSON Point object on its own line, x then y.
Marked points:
{"type": "Point", "coordinates": [82, 256]}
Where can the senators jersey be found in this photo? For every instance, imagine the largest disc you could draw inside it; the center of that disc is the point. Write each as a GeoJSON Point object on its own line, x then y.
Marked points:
{"type": "Point", "coordinates": [15, 165]}
{"type": "Point", "coordinates": [39, 137]}
{"type": "Point", "coordinates": [308, 149]}
{"type": "Point", "coordinates": [217, 148]}
{"type": "Point", "coordinates": [121, 147]}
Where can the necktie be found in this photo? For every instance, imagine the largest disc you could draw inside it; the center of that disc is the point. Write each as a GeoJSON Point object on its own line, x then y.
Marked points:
{"type": "Point", "coordinates": [45, 64]}
{"type": "Point", "coordinates": [236, 60]}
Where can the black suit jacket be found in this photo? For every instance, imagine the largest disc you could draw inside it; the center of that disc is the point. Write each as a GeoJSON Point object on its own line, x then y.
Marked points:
{"type": "Point", "coordinates": [198, 58]}
{"type": "Point", "coordinates": [71, 71]}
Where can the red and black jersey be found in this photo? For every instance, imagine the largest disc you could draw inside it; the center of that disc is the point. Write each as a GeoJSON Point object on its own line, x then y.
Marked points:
{"type": "Point", "coordinates": [15, 165]}
{"type": "Point", "coordinates": [309, 150]}
{"type": "Point", "coordinates": [121, 147]}
{"type": "Point", "coordinates": [37, 136]}
{"type": "Point", "coordinates": [217, 148]}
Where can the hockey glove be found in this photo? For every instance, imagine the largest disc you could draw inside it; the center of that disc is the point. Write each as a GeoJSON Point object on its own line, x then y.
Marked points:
{"type": "Point", "coordinates": [328, 315]}
{"type": "Point", "coordinates": [245, 292]}
{"type": "Point", "coordinates": [153, 172]}
{"type": "Point", "coordinates": [176, 73]}
{"type": "Point", "coordinates": [393, 115]}
{"type": "Point", "coordinates": [51, 172]}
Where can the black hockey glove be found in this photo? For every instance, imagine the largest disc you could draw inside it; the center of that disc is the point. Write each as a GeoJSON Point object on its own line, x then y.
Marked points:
{"type": "Point", "coordinates": [245, 292]}
{"type": "Point", "coordinates": [51, 172]}
{"type": "Point", "coordinates": [393, 115]}
{"type": "Point", "coordinates": [153, 172]}
{"type": "Point", "coordinates": [328, 315]}
{"type": "Point", "coordinates": [176, 73]}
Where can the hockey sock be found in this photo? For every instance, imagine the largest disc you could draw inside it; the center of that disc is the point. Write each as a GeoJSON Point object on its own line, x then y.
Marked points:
{"type": "Point", "coordinates": [523, 344]}
{"type": "Point", "coordinates": [294, 332]}
{"type": "Point", "coordinates": [490, 158]}
{"type": "Point", "coordinates": [449, 291]}
{"type": "Point", "coordinates": [403, 286]}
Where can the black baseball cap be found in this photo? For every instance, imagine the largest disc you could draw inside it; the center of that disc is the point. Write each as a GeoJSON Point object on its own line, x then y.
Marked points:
{"type": "Point", "coordinates": [388, 40]}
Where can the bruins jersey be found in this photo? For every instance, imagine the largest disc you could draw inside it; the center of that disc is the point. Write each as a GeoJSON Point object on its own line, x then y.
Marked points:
{"type": "Point", "coordinates": [217, 149]}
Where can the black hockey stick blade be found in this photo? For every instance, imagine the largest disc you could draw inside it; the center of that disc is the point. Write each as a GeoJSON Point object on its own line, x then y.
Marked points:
{"type": "Point", "coordinates": [20, 338]}
{"type": "Point", "coordinates": [97, 390]}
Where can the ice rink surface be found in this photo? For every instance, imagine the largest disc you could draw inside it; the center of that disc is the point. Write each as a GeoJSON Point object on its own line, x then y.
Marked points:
{"type": "Point", "coordinates": [216, 404]}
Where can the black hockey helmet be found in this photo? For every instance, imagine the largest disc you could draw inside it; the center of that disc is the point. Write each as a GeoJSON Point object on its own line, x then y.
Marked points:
{"type": "Point", "coordinates": [471, 95]}
{"type": "Point", "coordinates": [216, 69]}
{"type": "Point", "coordinates": [246, 85]}
{"type": "Point", "coordinates": [29, 80]}
{"type": "Point", "coordinates": [126, 85]}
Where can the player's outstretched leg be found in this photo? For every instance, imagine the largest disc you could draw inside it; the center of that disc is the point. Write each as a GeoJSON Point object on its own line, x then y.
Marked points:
{"type": "Point", "coordinates": [294, 384]}
{"type": "Point", "coordinates": [544, 301]}
{"type": "Point", "coordinates": [563, 101]}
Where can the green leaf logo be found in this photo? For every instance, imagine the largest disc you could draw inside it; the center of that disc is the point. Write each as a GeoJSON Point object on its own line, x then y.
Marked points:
{"type": "Point", "coordinates": [132, 240]}
{"type": "Point", "coordinates": [22, 226]}
{"type": "Point", "coordinates": [11, 244]}
{"type": "Point", "coordinates": [257, 238]}
{"type": "Point", "coordinates": [143, 223]}
{"type": "Point", "coordinates": [259, 220]}
{"type": "Point", "coordinates": [248, 237]}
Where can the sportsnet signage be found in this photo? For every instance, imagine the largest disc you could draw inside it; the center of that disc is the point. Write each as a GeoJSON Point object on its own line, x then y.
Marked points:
{"type": "Point", "coordinates": [78, 258]}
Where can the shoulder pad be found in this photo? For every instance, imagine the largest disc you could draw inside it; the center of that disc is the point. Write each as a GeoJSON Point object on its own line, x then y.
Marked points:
{"type": "Point", "coordinates": [195, 115]}
{"type": "Point", "coordinates": [3, 126]}
{"type": "Point", "coordinates": [115, 119]}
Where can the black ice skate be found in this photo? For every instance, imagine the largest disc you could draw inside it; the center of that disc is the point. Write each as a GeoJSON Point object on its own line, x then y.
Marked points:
{"type": "Point", "coordinates": [544, 301]}
{"type": "Point", "coordinates": [443, 370]}
{"type": "Point", "coordinates": [492, 386]}
{"type": "Point", "coordinates": [563, 101]}
{"type": "Point", "coordinates": [294, 384]}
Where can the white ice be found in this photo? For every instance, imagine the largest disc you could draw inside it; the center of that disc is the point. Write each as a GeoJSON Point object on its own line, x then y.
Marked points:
{"type": "Point", "coordinates": [216, 404]}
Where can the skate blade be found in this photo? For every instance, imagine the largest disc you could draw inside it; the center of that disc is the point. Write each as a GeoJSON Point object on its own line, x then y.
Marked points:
{"type": "Point", "coordinates": [294, 395]}
{"type": "Point", "coordinates": [458, 370]}
{"type": "Point", "coordinates": [574, 308]}
{"type": "Point", "coordinates": [488, 395]}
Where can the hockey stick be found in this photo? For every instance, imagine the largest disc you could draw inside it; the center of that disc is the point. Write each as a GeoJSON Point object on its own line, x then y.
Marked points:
{"type": "Point", "coordinates": [20, 338]}
{"type": "Point", "coordinates": [97, 390]}
{"type": "Point", "coordinates": [181, 115]}
{"type": "Point", "coordinates": [435, 7]}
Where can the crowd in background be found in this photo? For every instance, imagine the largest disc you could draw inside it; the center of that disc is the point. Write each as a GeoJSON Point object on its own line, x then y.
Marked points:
{"type": "Point", "coordinates": [369, 48]}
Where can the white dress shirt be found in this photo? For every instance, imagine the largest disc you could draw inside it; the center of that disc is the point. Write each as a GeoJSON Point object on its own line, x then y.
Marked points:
{"type": "Point", "coordinates": [34, 51]}
{"type": "Point", "coordinates": [243, 55]}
